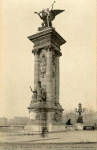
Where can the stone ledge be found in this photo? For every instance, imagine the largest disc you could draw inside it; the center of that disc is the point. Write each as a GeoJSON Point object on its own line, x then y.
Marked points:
{"type": "Point", "coordinates": [47, 31]}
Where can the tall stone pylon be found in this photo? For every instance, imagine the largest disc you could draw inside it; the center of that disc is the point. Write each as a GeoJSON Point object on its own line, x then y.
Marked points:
{"type": "Point", "coordinates": [46, 50]}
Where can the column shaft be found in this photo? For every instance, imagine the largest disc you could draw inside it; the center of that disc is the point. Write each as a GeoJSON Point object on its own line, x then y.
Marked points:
{"type": "Point", "coordinates": [36, 70]}
{"type": "Point", "coordinates": [57, 79]}
{"type": "Point", "coordinates": [49, 76]}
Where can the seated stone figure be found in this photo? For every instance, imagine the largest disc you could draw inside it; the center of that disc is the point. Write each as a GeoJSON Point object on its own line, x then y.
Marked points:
{"type": "Point", "coordinates": [69, 122]}
{"type": "Point", "coordinates": [39, 94]}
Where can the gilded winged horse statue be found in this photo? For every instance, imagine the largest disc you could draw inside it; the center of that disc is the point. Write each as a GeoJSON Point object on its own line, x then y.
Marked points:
{"type": "Point", "coordinates": [48, 15]}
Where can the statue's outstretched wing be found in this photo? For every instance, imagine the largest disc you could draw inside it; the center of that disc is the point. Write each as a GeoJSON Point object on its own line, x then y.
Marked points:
{"type": "Point", "coordinates": [54, 13]}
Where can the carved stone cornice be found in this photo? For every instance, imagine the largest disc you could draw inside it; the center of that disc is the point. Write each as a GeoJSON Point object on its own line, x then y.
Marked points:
{"type": "Point", "coordinates": [48, 32]}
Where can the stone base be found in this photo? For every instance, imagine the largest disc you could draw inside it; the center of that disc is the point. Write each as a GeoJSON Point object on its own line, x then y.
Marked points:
{"type": "Point", "coordinates": [32, 129]}
{"type": "Point", "coordinates": [79, 126]}
{"type": "Point", "coordinates": [37, 128]}
{"type": "Point", "coordinates": [56, 127]}
{"type": "Point", "coordinates": [70, 127]}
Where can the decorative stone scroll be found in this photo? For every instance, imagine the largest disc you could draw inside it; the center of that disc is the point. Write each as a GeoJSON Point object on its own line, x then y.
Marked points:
{"type": "Point", "coordinates": [58, 53]}
{"type": "Point", "coordinates": [35, 51]}
{"type": "Point", "coordinates": [51, 47]}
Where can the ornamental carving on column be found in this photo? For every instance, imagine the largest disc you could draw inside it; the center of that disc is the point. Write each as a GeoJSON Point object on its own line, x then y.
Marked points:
{"type": "Point", "coordinates": [57, 117]}
{"type": "Point", "coordinates": [53, 59]}
{"type": "Point", "coordinates": [43, 63]}
{"type": "Point", "coordinates": [53, 74]}
{"type": "Point", "coordinates": [53, 71]}
{"type": "Point", "coordinates": [44, 115]}
{"type": "Point", "coordinates": [53, 62]}
{"type": "Point", "coordinates": [37, 117]}
{"type": "Point", "coordinates": [49, 47]}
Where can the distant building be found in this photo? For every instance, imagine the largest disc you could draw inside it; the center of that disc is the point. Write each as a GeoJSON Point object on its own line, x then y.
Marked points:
{"type": "Point", "coordinates": [3, 121]}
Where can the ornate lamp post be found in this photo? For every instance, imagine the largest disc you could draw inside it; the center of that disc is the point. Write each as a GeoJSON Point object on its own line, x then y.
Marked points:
{"type": "Point", "coordinates": [80, 111]}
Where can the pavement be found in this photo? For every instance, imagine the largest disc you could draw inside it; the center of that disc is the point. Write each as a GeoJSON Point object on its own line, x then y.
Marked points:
{"type": "Point", "coordinates": [69, 138]}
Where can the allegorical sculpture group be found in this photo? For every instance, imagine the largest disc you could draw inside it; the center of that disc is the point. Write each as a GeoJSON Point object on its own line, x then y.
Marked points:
{"type": "Point", "coordinates": [39, 94]}
{"type": "Point", "coordinates": [48, 15]}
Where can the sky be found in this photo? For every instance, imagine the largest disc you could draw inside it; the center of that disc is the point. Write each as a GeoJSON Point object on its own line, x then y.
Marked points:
{"type": "Point", "coordinates": [77, 25]}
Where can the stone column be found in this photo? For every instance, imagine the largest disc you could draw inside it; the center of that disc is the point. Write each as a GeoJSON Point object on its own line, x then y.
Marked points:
{"type": "Point", "coordinates": [36, 69]}
{"type": "Point", "coordinates": [49, 77]}
{"type": "Point", "coordinates": [57, 79]}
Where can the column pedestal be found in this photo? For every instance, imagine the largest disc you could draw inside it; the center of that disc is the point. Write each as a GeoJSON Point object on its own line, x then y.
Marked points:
{"type": "Point", "coordinates": [79, 126]}
{"type": "Point", "coordinates": [46, 51]}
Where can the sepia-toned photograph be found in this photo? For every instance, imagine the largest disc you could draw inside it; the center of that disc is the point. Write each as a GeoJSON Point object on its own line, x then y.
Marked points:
{"type": "Point", "coordinates": [48, 76]}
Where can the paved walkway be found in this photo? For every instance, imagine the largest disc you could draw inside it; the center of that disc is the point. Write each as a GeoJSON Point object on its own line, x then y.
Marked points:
{"type": "Point", "coordinates": [62, 140]}
{"type": "Point", "coordinates": [61, 137]}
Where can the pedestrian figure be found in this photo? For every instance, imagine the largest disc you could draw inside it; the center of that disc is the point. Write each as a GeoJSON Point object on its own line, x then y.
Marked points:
{"type": "Point", "coordinates": [44, 131]}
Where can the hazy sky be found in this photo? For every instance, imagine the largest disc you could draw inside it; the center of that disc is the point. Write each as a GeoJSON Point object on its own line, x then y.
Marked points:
{"type": "Point", "coordinates": [77, 25]}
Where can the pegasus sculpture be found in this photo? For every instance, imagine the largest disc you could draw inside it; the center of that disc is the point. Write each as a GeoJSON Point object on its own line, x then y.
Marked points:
{"type": "Point", "coordinates": [48, 15]}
